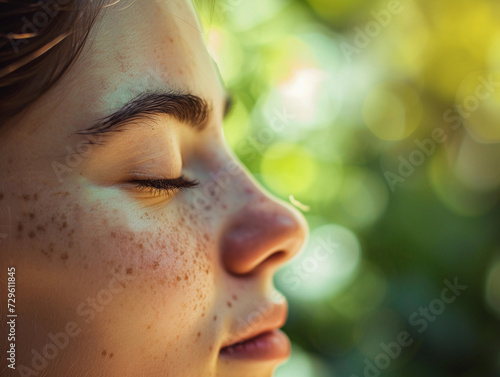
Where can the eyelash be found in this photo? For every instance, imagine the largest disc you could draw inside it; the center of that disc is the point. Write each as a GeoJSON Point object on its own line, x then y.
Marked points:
{"type": "Point", "coordinates": [164, 186]}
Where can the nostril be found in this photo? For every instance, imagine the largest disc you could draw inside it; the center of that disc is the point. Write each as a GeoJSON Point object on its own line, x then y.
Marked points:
{"type": "Point", "coordinates": [261, 237]}
{"type": "Point", "coordinates": [277, 258]}
{"type": "Point", "coordinates": [271, 263]}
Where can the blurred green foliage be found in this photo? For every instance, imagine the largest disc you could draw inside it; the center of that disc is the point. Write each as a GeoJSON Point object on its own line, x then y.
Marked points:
{"type": "Point", "coordinates": [381, 121]}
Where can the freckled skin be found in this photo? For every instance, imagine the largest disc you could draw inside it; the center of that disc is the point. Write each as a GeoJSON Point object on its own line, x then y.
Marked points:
{"type": "Point", "coordinates": [155, 285]}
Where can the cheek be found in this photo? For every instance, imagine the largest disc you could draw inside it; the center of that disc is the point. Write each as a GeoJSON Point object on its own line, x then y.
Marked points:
{"type": "Point", "coordinates": [43, 226]}
{"type": "Point", "coordinates": [164, 246]}
{"type": "Point", "coordinates": [169, 271]}
{"type": "Point", "coordinates": [142, 280]}
{"type": "Point", "coordinates": [104, 236]}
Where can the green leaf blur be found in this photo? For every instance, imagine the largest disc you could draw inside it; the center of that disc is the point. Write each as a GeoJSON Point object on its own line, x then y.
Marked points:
{"type": "Point", "coordinates": [380, 120]}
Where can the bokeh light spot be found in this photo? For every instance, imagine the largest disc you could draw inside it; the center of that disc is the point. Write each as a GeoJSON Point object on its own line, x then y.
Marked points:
{"type": "Point", "coordinates": [324, 267]}
{"type": "Point", "coordinates": [392, 111]}
{"type": "Point", "coordinates": [287, 169]}
{"type": "Point", "coordinates": [492, 287]}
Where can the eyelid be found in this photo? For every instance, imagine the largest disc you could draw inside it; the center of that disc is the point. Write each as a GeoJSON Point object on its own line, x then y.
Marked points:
{"type": "Point", "coordinates": [164, 186]}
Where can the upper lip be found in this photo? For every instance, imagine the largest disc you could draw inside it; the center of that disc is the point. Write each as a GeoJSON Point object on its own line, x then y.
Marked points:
{"type": "Point", "coordinates": [273, 318]}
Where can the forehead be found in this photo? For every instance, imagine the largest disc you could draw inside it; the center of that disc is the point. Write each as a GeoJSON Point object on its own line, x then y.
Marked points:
{"type": "Point", "coordinates": [144, 45]}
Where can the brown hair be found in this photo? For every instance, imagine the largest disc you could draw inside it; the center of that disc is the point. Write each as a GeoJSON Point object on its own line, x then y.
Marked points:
{"type": "Point", "coordinates": [39, 40]}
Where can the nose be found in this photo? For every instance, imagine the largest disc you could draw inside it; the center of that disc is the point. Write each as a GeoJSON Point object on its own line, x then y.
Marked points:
{"type": "Point", "coordinates": [262, 234]}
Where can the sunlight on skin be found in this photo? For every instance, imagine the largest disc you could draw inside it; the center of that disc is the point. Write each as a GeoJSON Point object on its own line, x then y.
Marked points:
{"type": "Point", "coordinates": [150, 286]}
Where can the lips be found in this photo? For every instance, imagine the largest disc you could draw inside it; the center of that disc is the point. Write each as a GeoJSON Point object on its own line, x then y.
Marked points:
{"type": "Point", "coordinates": [260, 338]}
{"type": "Point", "coordinates": [270, 345]}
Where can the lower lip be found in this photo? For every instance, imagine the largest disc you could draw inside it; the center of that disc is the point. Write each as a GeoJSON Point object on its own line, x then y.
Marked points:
{"type": "Point", "coordinates": [271, 345]}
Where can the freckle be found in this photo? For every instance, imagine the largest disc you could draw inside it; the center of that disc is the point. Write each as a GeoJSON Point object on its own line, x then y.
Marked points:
{"type": "Point", "coordinates": [1, 196]}
{"type": "Point", "coordinates": [31, 234]}
{"type": "Point", "coordinates": [32, 216]}
{"type": "Point", "coordinates": [140, 246]}
{"type": "Point", "coordinates": [103, 353]}
{"type": "Point", "coordinates": [215, 318]}
{"type": "Point", "coordinates": [64, 256]}
{"type": "Point", "coordinates": [147, 328]}
{"type": "Point", "coordinates": [20, 227]}
{"type": "Point", "coordinates": [26, 197]}
{"type": "Point", "coordinates": [186, 277]}
{"type": "Point", "coordinates": [113, 234]}
{"type": "Point", "coordinates": [199, 334]}
{"type": "Point", "coordinates": [155, 265]}
{"type": "Point", "coordinates": [129, 271]}
{"type": "Point", "coordinates": [171, 39]}
{"type": "Point", "coordinates": [178, 278]}
{"type": "Point", "coordinates": [235, 297]}
{"type": "Point", "coordinates": [229, 304]}
{"type": "Point", "coordinates": [65, 224]}
{"type": "Point", "coordinates": [111, 355]}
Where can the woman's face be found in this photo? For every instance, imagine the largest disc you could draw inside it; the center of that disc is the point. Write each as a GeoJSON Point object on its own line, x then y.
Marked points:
{"type": "Point", "coordinates": [121, 268]}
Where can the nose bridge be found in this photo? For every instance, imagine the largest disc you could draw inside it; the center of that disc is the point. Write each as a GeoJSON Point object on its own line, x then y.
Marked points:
{"type": "Point", "coordinates": [256, 230]}
{"type": "Point", "coordinates": [227, 177]}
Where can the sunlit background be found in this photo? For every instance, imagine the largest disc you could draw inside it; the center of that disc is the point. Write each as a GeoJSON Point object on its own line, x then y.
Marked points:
{"type": "Point", "coordinates": [380, 120]}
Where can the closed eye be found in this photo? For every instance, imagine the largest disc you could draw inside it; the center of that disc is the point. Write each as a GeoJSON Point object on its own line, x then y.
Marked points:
{"type": "Point", "coordinates": [164, 186]}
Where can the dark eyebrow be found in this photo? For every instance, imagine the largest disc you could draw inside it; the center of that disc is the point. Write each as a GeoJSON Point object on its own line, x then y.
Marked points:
{"type": "Point", "coordinates": [186, 108]}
